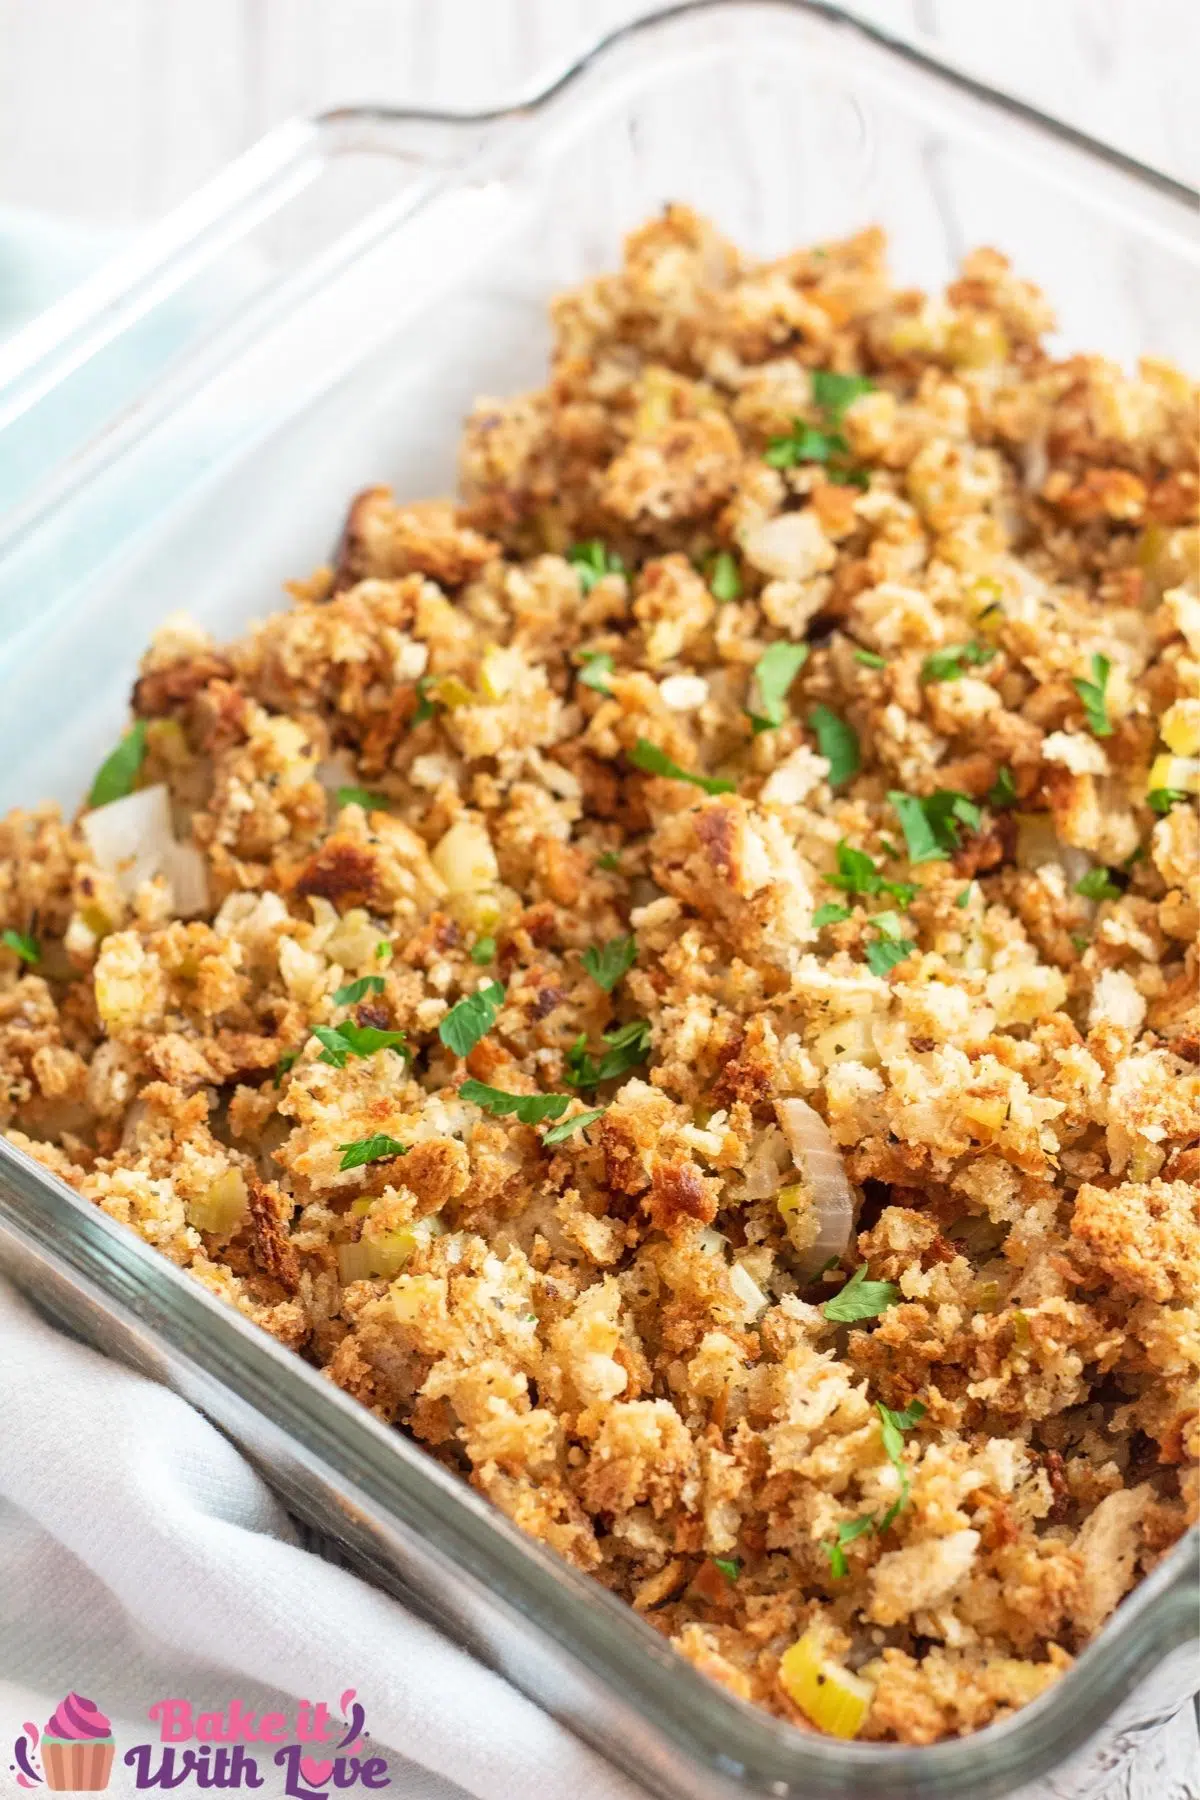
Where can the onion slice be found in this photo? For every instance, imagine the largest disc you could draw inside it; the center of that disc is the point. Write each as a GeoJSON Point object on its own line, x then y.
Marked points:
{"type": "Point", "coordinates": [817, 1157]}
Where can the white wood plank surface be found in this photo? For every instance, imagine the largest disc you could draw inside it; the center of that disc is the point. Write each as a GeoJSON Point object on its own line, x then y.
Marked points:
{"type": "Point", "coordinates": [112, 110]}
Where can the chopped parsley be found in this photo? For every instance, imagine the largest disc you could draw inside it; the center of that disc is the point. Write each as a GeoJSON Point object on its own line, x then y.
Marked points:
{"type": "Point", "coordinates": [964, 899]}
{"type": "Point", "coordinates": [860, 1299]}
{"type": "Point", "coordinates": [528, 1109]}
{"type": "Point", "coordinates": [804, 443]}
{"type": "Point", "coordinates": [857, 874]}
{"type": "Point", "coordinates": [359, 796]}
{"type": "Point", "coordinates": [837, 742]}
{"type": "Point", "coordinates": [382, 950]}
{"type": "Point", "coordinates": [931, 826]}
{"type": "Point", "coordinates": [1097, 884]}
{"type": "Point", "coordinates": [947, 664]}
{"type": "Point", "coordinates": [628, 1045]}
{"type": "Point", "coordinates": [1094, 694]}
{"type": "Point", "coordinates": [833, 393]}
{"type": "Point", "coordinates": [349, 1039]}
{"type": "Point", "coordinates": [730, 1566]}
{"type": "Point", "coordinates": [847, 1531]}
{"type": "Point", "coordinates": [426, 707]}
{"type": "Point", "coordinates": [1003, 791]}
{"type": "Point", "coordinates": [592, 561]}
{"type": "Point", "coordinates": [870, 659]}
{"type": "Point", "coordinates": [283, 1065]}
{"type": "Point", "coordinates": [119, 771]}
{"type": "Point", "coordinates": [354, 991]}
{"type": "Point", "coordinates": [894, 1425]}
{"type": "Point", "coordinates": [774, 673]}
{"type": "Point", "coordinates": [610, 861]}
{"type": "Point", "coordinates": [597, 667]}
{"type": "Point", "coordinates": [471, 1019]}
{"type": "Point", "coordinates": [379, 1148]}
{"type": "Point", "coordinates": [1161, 800]}
{"type": "Point", "coordinates": [483, 951]}
{"type": "Point", "coordinates": [607, 965]}
{"type": "Point", "coordinates": [653, 761]}
{"type": "Point", "coordinates": [830, 915]}
{"type": "Point", "coordinates": [883, 953]}
{"type": "Point", "coordinates": [565, 1127]}
{"type": "Point", "coordinates": [1080, 941]}
{"type": "Point", "coordinates": [724, 580]}
{"type": "Point", "coordinates": [22, 944]}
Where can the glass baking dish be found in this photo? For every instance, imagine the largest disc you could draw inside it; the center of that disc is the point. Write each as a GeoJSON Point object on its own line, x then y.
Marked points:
{"type": "Point", "coordinates": [184, 433]}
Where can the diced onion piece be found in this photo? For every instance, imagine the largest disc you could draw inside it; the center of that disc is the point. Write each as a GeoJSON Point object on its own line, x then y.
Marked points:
{"type": "Point", "coordinates": [222, 1208]}
{"type": "Point", "coordinates": [1180, 727]}
{"type": "Point", "coordinates": [451, 693]}
{"type": "Point", "coordinates": [464, 858]}
{"type": "Point", "coordinates": [816, 1156]}
{"type": "Point", "coordinates": [766, 1166]}
{"type": "Point", "coordinates": [186, 868]}
{"type": "Point", "coordinates": [385, 1255]}
{"type": "Point", "coordinates": [499, 672]}
{"type": "Point", "coordinates": [747, 1290]}
{"type": "Point", "coordinates": [836, 1701]}
{"type": "Point", "coordinates": [791, 546]}
{"type": "Point", "coordinates": [132, 840]}
{"type": "Point", "coordinates": [711, 1242]}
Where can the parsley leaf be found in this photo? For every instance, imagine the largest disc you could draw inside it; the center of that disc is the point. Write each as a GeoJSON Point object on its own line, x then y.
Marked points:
{"type": "Point", "coordinates": [833, 393]}
{"type": "Point", "coordinates": [894, 1425]}
{"type": "Point", "coordinates": [847, 1531]}
{"type": "Point", "coordinates": [857, 874]}
{"type": "Point", "coordinates": [653, 761]}
{"type": "Point", "coordinates": [885, 952]}
{"type": "Point", "coordinates": [628, 1045]}
{"type": "Point", "coordinates": [608, 965]}
{"type": "Point", "coordinates": [860, 1299]}
{"type": "Point", "coordinates": [964, 899]}
{"type": "Point", "coordinates": [483, 951]}
{"type": "Point", "coordinates": [565, 1127]}
{"type": "Point", "coordinates": [837, 742]}
{"type": "Point", "coordinates": [730, 1566]}
{"type": "Point", "coordinates": [870, 659]}
{"type": "Point", "coordinates": [119, 771]}
{"type": "Point", "coordinates": [591, 561]}
{"type": "Point", "coordinates": [358, 796]}
{"type": "Point", "coordinates": [931, 826]}
{"type": "Point", "coordinates": [471, 1019]}
{"type": "Point", "coordinates": [724, 580]}
{"type": "Point", "coordinates": [354, 991]}
{"type": "Point", "coordinates": [1081, 942]}
{"type": "Point", "coordinates": [349, 1039]}
{"type": "Point", "coordinates": [1098, 885]}
{"type": "Point", "coordinates": [283, 1065]}
{"type": "Point", "coordinates": [426, 707]}
{"type": "Point", "coordinates": [774, 673]}
{"type": "Point", "coordinates": [830, 915]}
{"type": "Point", "coordinates": [1003, 791]}
{"type": "Point", "coordinates": [597, 667]}
{"type": "Point", "coordinates": [1094, 694]}
{"type": "Point", "coordinates": [1161, 800]}
{"type": "Point", "coordinates": [609, 861]}
{"type": "Point", "coordinates": [947, 664]}
{"type": "Point", "coordinates": [379, 1148]}
{"type": "Point", "coordinates": [528, 1109]}
{"type": "Point", "coordinates": [383, 950]}
{"type": "Point", "coordinates": [22, 944]}
{"type": "Point", "coordinates": [804, 443]}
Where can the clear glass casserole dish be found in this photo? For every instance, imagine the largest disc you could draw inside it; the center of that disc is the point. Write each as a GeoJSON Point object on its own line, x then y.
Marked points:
{"type": "Point", "coordinates": [319, 319]}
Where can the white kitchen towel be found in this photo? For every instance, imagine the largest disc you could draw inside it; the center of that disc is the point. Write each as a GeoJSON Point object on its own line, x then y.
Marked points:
{"type": "Point", "coordinates": [142, 1558]}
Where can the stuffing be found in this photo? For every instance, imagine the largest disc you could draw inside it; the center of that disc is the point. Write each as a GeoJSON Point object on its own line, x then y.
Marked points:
{"type": "Point", "coordinates": [671, 978]}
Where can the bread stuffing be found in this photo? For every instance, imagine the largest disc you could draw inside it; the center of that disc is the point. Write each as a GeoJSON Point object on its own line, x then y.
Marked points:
{"type": "Point", "coordinates": [671, 977]}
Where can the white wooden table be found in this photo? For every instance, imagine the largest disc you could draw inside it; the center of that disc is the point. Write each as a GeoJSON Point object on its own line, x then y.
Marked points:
{"type": "Point", "coordinates": [112, 110]}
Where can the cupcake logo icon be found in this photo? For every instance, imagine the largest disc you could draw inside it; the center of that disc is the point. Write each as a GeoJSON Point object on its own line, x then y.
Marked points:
{"type": "Point", "coordinates": [75, 1749]}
